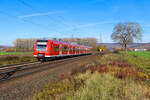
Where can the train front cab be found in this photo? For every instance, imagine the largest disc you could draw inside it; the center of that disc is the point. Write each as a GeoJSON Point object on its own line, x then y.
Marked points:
{"type": "Point", "coordinates": [41, 49]}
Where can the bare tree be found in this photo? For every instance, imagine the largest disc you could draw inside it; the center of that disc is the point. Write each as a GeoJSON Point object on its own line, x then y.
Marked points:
{"type": "Point", "coordinates": [27, 44]}
{"type": "Point", "coordinates": [126, 33]}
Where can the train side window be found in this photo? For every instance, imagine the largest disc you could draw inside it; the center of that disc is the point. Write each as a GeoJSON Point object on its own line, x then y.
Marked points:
{"type": "Point", "coordinates": [56, 48]}
{"type": "Point", "coordinates": [65, 48]}
{"type": "Point", "coordinates": [62, 48]}
{"type": "Point", "coordinates": [73, 49]}
{"type": "Point", "coordinates": [52, 45]}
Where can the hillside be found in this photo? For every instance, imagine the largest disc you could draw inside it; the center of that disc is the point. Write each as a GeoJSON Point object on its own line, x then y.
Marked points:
{"type": "Point", "coordinates": [2, 47]}
{"type": "Point", "coordinates": [134, 45]}
{"type": "Point", "coordinates": [144, 46]}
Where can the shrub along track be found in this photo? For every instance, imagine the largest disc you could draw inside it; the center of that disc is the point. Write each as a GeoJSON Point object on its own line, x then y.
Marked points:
{"type": "Point", "coordinates": [19, 70]}
{"type": "Point", "coordinates": [8, 70]}
{"type": "Point", "coordinates": [23, 84]}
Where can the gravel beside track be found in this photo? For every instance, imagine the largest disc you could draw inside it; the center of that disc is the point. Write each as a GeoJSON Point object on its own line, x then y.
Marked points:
{"type": "Point", "coordinates": [23, 84]}
{"type": "Point", "coordinates": [30, 68]}
{"type": "Point", "coordinates": [16, 65]}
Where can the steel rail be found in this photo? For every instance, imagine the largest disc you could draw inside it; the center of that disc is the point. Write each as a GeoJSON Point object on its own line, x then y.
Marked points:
{"type": "Point", "coordinates": [18, 65]}
{"type": "Point", "coordinates": [38, 70]}
{"type": "Point", "coordinates": [6, 75]}
{"type": "Point", "coordinates": [2, 66]}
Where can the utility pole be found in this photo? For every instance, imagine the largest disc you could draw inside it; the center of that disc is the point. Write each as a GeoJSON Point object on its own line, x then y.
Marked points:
{"type": "Point", "coordinates": [101, 48]}
{"type": "Point", "coordinates": [72, 35]}
{"type": "Point", "coordinates": [72, 38]}
{"type": "Point", "coordinates": [101, 40]}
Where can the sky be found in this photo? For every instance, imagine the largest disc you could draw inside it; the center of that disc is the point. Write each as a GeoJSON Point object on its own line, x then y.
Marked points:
{"type": "Point", "coordinates": [62, 18]}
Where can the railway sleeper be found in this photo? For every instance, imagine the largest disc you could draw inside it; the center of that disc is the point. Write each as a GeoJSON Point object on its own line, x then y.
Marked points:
{"type": "Point", "coordinates": [6, 75]}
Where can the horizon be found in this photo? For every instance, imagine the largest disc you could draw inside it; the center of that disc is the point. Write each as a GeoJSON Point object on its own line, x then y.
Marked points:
{"type": "Point", "coordinates": [62, 19]}
{"type": "Point", "coordinates": [97, 43]}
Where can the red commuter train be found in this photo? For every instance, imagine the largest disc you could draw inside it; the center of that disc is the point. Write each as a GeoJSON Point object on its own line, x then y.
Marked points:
{"type": "Point", "coordinates": [45, 49]}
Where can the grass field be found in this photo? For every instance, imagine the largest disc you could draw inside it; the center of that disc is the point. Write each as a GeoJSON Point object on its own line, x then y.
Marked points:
{"type": "Point", "coordinates": [139, 58]}
{"type": "Point", "coordinates": [16, 53]}
{"type": "Point", "coordinates": [143, 54]}
{"type": "Point", "coordinates": [111, 77]}
{"type": "Point", "coordinates": [13, 59]}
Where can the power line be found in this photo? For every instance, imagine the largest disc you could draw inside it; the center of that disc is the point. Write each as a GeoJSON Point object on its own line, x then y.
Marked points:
{"type": "Point", "coordinates": [49, 17]}
{"type": "Point", "coordinates": [72, 27]}
{"type": "Point", "coordinates": [33, 8]}
{"type": "Point", "coordinates": [15, 17]}
{"type": "Point", "coordinates": [28, 5]}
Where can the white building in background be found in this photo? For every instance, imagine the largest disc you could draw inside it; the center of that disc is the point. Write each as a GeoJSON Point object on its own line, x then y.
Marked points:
{"type": "Point", "coordinates": [140, 49]}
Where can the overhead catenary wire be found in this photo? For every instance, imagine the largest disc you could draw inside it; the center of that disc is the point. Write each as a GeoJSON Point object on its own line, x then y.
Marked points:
{"type": "Point", "coordinates": [35, 9]}
{"type": "Point", "coordinates": [49, 17]}
{"type": "Point", "coordinates": [27, 21]}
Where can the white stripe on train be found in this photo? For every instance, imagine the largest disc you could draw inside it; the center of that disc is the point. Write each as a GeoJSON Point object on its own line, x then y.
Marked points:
{"type": "Point", "coordinates": [63, 55]}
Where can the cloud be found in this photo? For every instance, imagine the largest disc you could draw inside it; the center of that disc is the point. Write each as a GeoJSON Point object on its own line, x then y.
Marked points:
{"type": "Point", "coordinates": [39, 14]}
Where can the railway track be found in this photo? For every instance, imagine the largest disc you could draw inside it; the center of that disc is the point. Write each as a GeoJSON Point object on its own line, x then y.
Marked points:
{"type": "Point", "coordinates": [18, 64]}
{"type": "Point", "coordinates": [20, 70]}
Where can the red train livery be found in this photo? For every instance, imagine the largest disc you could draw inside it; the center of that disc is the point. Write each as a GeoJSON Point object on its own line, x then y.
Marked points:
{"type": "Point", "coordinates": [45, 49]}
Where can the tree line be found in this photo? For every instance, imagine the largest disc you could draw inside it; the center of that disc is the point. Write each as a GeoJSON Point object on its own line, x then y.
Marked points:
{"type": "Point", "coordinates": [27, 44]}
{"type": "Point", "coordinates": [82, 41]}
{"type": "Point", "coordinates": [123, 33]}
{"type": "Point", "coordinates": [24, 44]}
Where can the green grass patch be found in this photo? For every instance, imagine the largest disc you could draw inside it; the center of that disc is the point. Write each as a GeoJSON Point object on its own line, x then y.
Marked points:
{"type": "Point", "coordinates": [13, 59]}
{"type": "Point", "coordinates": [140, 59]}
{"type": "Point", "coordinates": [16, 53]}
{"type": "Point", "coordinates": [143, 54]}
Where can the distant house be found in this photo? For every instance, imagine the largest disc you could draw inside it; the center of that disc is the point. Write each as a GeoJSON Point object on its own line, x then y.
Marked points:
{"type": "Point", "coordinates": [1, 49]}
{"type": "Point", "coordinates": [140, 49]}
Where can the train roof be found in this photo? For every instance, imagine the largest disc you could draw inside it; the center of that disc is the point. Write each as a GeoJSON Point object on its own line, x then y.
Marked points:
{"type": "Point", "coordinates": [64, 43]}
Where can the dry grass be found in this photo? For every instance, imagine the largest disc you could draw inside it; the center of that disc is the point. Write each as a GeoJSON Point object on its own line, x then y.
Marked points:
{"type": "Point", "coordinates": [4, 60]}
{"type": "Point", "coordinates": [107, 87]}
{"type": "Point", "coordinates": [24, 88]}
{"type": "Point", "coordinates": [110, 77]}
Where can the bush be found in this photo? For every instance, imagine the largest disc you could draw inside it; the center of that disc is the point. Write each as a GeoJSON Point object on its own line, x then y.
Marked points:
{"type": "Point", "coordinates": [66, 83]}
{"type": "Point", "coordinates": [107, 87]}
{"type": "Point", "coordinates": [4, 60]}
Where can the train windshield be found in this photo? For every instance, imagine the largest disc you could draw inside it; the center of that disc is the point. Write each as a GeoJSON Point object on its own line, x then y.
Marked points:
{"type": "Point", "coordinates": [41, 45]}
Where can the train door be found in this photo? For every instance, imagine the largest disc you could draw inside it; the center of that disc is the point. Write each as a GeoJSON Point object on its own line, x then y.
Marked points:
{"type": "Point", "coordinates": [68, 49]}
{"type": "Point", "coordinates": [79, 50]}
{"type": "Point", "coordinates": [60, 49]}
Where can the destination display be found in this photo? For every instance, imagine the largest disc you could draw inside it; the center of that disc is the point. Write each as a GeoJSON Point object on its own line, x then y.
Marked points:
{"type": "Point", "coordinates": [42, 43]}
